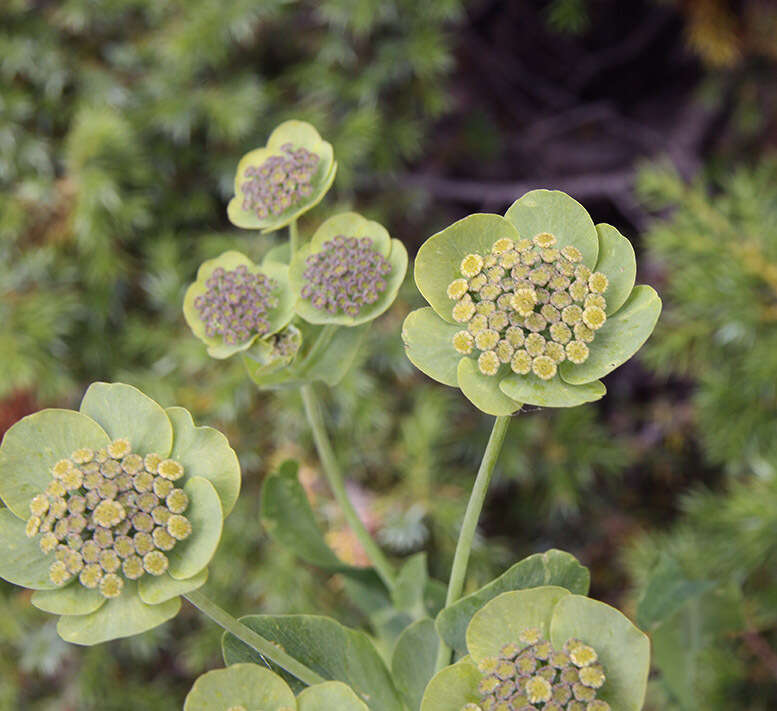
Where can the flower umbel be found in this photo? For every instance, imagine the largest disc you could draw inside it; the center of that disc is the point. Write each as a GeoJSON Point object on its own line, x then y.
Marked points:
{"type": "Point", "coordinates": [349, 273]}
{"type": "Point", "coordinates": [345, 275]}
{"type": "Point", "coordinates": [527, 304]}
{"type": "Point", "coordinates": [236, 303]}
{"type": "Point", "coordinates": [113, 511]}
{"type": "Point", "coordinates": [532, 674]}
{"type": "Point", "coordinates": [279, 182]}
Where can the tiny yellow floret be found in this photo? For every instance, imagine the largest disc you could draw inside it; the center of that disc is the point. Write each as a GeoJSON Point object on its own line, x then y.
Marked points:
{"type": "Point", "coordinates": [471, 265]}
{"type": "Point", "coordinates": [488, 363]}
{"type": "Point", "coordinates": [457, 288]}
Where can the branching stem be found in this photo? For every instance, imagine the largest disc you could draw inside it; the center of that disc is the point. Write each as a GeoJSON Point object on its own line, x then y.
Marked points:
{"type": "Point", "coordinates": [335, 478]}
{"type": "Point", "coordinates": [245, 634]}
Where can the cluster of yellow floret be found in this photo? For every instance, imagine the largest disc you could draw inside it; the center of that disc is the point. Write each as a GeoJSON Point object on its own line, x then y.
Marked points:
{"type": "Point", "coordinates": [532, 675]}
{"type": "Point", "coordinates": [527, 304]}
{"type": "Point", "coordinates": [110, 514]}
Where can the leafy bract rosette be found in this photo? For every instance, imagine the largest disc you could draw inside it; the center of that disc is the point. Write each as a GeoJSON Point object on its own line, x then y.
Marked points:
{"type": "Point", "coordinates": [349, 273]}
{"type": "Point", "coordinates": [249, 686]}
{"type": "Point", "coordinates": [234, 302]}
{"type": "Point", "coordinates": [530, 308]}
{"type": "Point", "coordinates": [275, 184]}
{"type": "Point", "coordinates": [545, 648]}
{"type": "Point", "coordinates": [113, 511]}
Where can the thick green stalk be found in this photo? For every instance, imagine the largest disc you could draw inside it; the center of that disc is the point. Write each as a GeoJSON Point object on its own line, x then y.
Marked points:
{"type": "Point", "coordinates": [470, 523]}
{"type": "Point", "coordinates": [245, 634]}
{"type": "Point", "coordinates": [335, 478]}
{"type": "Point", "coordinates": [293, 237]}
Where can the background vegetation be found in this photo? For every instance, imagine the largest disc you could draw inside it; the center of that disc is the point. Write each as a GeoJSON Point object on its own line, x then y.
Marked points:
{"type": "Point", "coordinates": [121, 122]}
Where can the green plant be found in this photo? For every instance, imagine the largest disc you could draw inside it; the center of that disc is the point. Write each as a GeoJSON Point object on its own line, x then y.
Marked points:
{"type": "Point", "coordinates": [299, 334]}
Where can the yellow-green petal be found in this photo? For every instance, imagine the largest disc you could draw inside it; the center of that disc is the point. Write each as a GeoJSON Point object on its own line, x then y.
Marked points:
{"type": "Point", "coordinates": [619, 339]}
{"type": "Point", "coordinates": [428, 345]}
{"type": "Point", "coordinates": [205, 452]}
{"type": "Point", "coordinates": [246, 686]}
{"type": "Point", "coordinates": [33, 445]}
{"type": "Point", "coordinates": [556, 212]}
{"type": "Point", "coordinates": [154, 589]}
{"type": "Point", "coordinates": [618, 263]}
{"type": "Point", "coordinates": [483, 390]}
{"type": "Point", "coordinates": [438, 259]}
{"type": "Point", "coordinates": [193, 554]}
{"type": "Point", "coordinates": [122, 616]}
{"type": "Point", "coordinates": [330, 696]}
{"type": "Point", "coordinates": [504, 618]}
{"type": "Point", "coordinates": [623, 650]}
{"type": "Point", "coordinates": [21, 560]}
{"type": "Point", "coordinates": [453, 687]}
{"type": "Point", "coordinates": [531, 390]}
{"type": "Point", "coordinates": [352, 224]}
{"type": "Point", "coordinates": [73, 599]}
{"type": "Point", "coordinates": [124, 411]}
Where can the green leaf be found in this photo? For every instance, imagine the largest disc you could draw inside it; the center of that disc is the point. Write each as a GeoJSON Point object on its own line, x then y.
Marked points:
{"type": "Point", "coordinates": [240, 686]}
{"type": "Point", "coordinates": [155, 589]}
{"type": "Point", "coordinates": [556, 212]}
{"type": "Point", "coordinates": [205, 452]}
{"type": "Point", "coordinates": [21, 560]}
{"type": "Point", "coordinates": [413, 661]}
{"type": "Point", "coordinates": [190, 556]}
{"type": "Point", "coordinates": [618, 263]}
{"type": "Point", "coordinates": [666, 592]}
{"type": "Point", "coordinates": [330, 696]}
{"type": "Point", "coordinates": [73, 599]}
{"type": "Point", "coordinates": [553, 567]}
{"type": "Point", "coordinates": [350, 224]}
{"type": "Point", "coordinates": [299, 134]}
{"type": "Point", "coordinates": [623, 650]}
{"type": "Point", "coordinates": [483, 390]}
{"type": "Point", "coordinates": [438, 259]}
{"type": "Point", "coordinates": [504, 618]}
{"type": "Point", "coordinates": [429, 347]}
{"type": "Point", "coordinates": [124, 411]}
{"type": "Point", "coordinates": [123, 616]}
{"type": "Point", "coordinates": [619, 339]}
{"type": "Point", "coordinates": [331, 650]}
{"type": "Point", "coordinates": [288, 517]}
{"type": "Point", "coordinates": [408, 593]}
{"type": "Point", "coordinates": [531, 390]}
{"type": "Point", "coordinates": [453, 687]}
{"type": "Point", "coordinates": [33, 445]}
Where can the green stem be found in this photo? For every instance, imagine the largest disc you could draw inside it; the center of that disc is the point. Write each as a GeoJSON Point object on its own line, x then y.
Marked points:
{"type": "Point", "coordinates": [245, 634]}
{"type": "Point", "coordinates": [470, 522]}
{"type": "Point", "coordinates": [293, 237]}
{"type": "Point", "coordinates": [335, 478]}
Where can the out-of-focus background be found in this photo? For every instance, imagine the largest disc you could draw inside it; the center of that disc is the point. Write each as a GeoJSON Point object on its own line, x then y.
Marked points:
{"type": "Point", "coordinates": [121, 123]}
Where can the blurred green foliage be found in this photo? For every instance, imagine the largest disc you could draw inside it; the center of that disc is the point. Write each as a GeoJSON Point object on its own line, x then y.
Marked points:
{"type": "Point", "coordinates": [121, 122]}
{"type": "Point", "coordinates": [719, 256]}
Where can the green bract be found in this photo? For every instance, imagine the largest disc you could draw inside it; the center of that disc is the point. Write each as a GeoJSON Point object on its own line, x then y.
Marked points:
{"type": "Point", "coordinates": [595, 658]}
{"type": "Point", "coordinates": [349, 273]}
{"type": "Point", "coordinates": [112, 511]}
{"type": "Point", "coordinates": [249, 687]}
{"type": "Point", "coordinates": [544, 296]}
{"type": "Point", "coordinates": [293, 189]}
{"type": "Point", "coordinates": [228, 313]}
